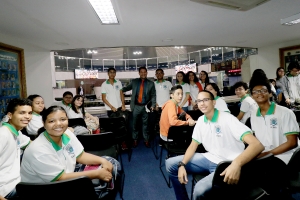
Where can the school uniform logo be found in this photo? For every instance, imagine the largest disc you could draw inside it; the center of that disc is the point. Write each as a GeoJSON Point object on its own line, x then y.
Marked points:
{"type": "Point", "coordinates": [273, 123]}
{"type": "Point", "coordinates": [218, 131]}
{"type": "Point", "coordinates": [70, 150]}
{"type": "Point", "coordinates": [117, 87]}
{"type": "Point", "coordinates": [165, 87]}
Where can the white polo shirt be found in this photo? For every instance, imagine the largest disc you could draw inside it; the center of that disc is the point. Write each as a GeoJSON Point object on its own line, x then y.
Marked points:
{"type": "Point", "coordinates": [194, 90]}
{"type": "Point", "coordinates": [272, 129]}
{"type": "Point", "coordinates": [222, 137]}
{"type": "Point", "coordinates": [186, 90]}
{"type": "Point", "coordinates": [162, 92]}
{"type": "Point", "coordinates": [11, 141]}
{"type": "Point", "coordinates": [112, 93]}
{"type": "Point", "coordinates": [60, 103]}
{"type": "Point", "coordinates": [45, 161]}
{"type": "Point", "coordinates": [247, 106]}
{"type": "Point", "coordinates": [35, 123]}
{"type": "Point", "coordinates": [221, 104]}
{"type": "Point", "coordinates": [72, 114]}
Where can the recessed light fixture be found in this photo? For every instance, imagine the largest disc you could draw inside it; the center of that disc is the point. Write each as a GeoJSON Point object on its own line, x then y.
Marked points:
{"type": "Point", "coordinates": [137, 52]}
{"type": "Point", "coordinates": [292, 20]}
{"type": "Point", "coordinates": [105, 11]}
{"type": "Point", "coordinates": [92, 51]}
{"type": "Point", "coordinates": [178, 47]}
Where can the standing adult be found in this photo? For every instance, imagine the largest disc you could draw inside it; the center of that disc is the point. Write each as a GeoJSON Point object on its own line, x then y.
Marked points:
{"type": "Point", "coordinates": [66, 102]}
{"type": "Point", "coordinates": [195, 88]}
{"type": "Point", "coordinates": [204, 79]}
{"type": "Point", "coordinates": [143, 93]}
{"type": "Point", "coordinates": [291, 83]}
{"type": "Point", "coordinates": [112, 95]}
{"type": "Point", "coordinates": [162, 88]}
{"type": "Point", "coordinates": [180, 80]}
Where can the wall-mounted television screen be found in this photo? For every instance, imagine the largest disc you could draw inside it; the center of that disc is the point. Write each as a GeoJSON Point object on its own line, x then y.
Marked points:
{"type": "Point", "coordinates": [86, 74]}
{"type": "Point", "coordinates": [186, 68]}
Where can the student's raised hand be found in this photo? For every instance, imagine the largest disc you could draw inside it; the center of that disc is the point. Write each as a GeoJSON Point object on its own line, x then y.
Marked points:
{"type": "Point", "coordinates": [104, 175]}
{"type": "Point", "coordinates": [231, 174]}
{"type": "Point", "coordinates": [107, 165]}
{"type": "Point", "coordinates": [191, 122]}
{"type": "Point", "coordinates": [182, 176]}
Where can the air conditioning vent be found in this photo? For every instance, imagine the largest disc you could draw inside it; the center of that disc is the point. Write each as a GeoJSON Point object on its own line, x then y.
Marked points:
{"type": "Point", "coordinates": [241, 5]}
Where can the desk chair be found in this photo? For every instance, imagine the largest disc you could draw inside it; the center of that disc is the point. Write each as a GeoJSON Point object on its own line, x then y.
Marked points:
{"type": "Point", "coordinates": [294, 172]}
{"type": "Point", "coordinates": [77, 188]}
{"type": "Point", "coordinates": [76, 122]}
{"type": "Point", "coordinates": [118, 127]}
{"type": "Point", "coordinates": [102, 145]}
{"type": "Point", "coordinates": [181, 137]}
{"type": "Point", "coordinates": [195, 114]}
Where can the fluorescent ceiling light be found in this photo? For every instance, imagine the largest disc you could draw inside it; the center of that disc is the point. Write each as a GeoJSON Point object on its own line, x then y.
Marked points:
{"type": "Point", "coordinates": [292, 20]}
{"type": "Point", "coordinates": [105, 11]}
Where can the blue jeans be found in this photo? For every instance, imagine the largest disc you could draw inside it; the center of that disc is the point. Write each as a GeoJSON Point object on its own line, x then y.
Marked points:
{"type": "Point", "coordinates": [199, 165]}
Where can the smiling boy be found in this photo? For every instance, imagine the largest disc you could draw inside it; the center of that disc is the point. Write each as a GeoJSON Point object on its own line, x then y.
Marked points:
{"type": "Point", "coordinates": [19, 113]}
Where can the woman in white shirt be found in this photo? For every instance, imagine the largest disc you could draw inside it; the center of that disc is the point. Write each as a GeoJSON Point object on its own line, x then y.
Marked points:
{"type": "Point", "coordinates": [195, 88]}
{"type": "Point", "coordinates": [180, 80]}
{"type": "Point", "coordinates": [38, 107]}
{"type": "Point", "coordinates": [220, 103]}
{"type": "Point", "coordinates": [204, 79]}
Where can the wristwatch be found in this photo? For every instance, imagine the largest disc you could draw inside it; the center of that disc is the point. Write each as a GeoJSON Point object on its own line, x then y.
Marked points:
{"type": "Point", "coordinates": [181, 164]}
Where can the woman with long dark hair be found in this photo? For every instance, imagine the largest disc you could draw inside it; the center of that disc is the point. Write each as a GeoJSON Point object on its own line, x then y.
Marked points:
{"type": "Point", "coordinates": [195, 88]}
{"type": "Point", "coordinates": [38, 107]}
{"type": "Point", "coordinates": [204, 79]}
{"type": "Point", "coordinates": [181, 80]}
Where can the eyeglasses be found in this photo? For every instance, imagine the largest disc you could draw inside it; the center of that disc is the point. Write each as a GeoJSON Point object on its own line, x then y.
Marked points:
{"type": "Point", "coordinates": [202, 100]}
{"type": "Point", "coordinates": [262, 91]}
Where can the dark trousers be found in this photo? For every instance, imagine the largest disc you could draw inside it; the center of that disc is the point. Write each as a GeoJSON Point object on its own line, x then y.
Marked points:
{"type": "Point", "coordinates": [137, 113]}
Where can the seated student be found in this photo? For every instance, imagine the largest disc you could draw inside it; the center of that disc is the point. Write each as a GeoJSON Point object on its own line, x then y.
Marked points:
{"type": "Point", "coordinates": [38, 107]}
{"type": "Point", "coordinates": [222, 135]}
{"type": "Point", "coordinates": [275, 126]}
{"type": "Point", "coordinates": [53, 155]}
{"type": "Point", "coordinates": [170, 110]}
{"type": "Point", "coordinates": [77, 111]}
{"type": "Point", "coordinates": [66, 102]}
{"type": "Point", "coordinates": [19, 113]}
{"type": "Point", "coordinates": [220, 103]}
{"type": "Point", "coordinates": [247, 103]}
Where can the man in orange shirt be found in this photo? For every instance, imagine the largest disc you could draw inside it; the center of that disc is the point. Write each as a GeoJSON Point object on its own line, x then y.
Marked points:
{"type": "Point", "coordinates": [169, 113]}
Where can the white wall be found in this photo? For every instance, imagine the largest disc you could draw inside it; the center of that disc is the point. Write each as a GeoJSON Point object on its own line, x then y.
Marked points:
{"type": "Point", "coordinates": [37, 68]}
{"type": "Point", "coordinates": [268, 59]}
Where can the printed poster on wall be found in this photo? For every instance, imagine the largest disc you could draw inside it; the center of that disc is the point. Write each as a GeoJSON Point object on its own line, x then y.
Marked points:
{"type": "Point", "coordinates": [186, 68]}
{"type": "Point", "coordinates": [9, 83]}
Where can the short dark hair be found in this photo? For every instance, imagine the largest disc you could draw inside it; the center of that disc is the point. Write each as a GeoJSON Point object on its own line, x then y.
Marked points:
{"type": "Point", "coordinates": [159, 69]}
{"type": "Point", "coordinates": [293, 65]}
{"type": "Point", "coordinates": [111, 69]}
{"type": "Point", "coordinates": [47, 112]}
{"type": "Point", "coordinates": [195, 76]}
{"type": "Point", "coordinates": [143, 67]}
{"type": "Point", "coordinates": [14, 103]}
{"type": "Point", "coordinates": [174, 88]}
{"type": "Point", "coordinates": [67, 93]}
{"type": "Point", "coordinates": [262, 83]}
{"type": "Point", "coordinates": [216, 88]}
{"type": "Point", "coordinates": [210, 94]}
{"type": "Point", "coordinates": [240, 84]}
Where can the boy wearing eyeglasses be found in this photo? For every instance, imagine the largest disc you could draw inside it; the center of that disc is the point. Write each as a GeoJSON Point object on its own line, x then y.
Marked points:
{"type": "Point", "coordinates": [274, 126]}
{"type": "Point", "coordinates": [223, 137]}
{"type": "Point", "coordinates": [247, 103]}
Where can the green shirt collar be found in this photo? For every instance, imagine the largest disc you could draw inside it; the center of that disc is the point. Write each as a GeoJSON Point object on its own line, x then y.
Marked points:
{"type": "Point", "coordinates": [12, 129]}
{"type": "Point", "coordinates": [69, 105]}
{"type": "Point", "coordinates": [162, 81]}
{"type": "Point", "coordinates": [174, 102]}
{"type": "Point", "coordinates": [34, 113]}
{"type": "Point", "coordinates": [216, 98]}
{"type": "Point", "coordinates": [214, 118]}
{"type": "Point", "coordinates": [270, 111]}
{"type": "Point", "coordinates": [244, 97]}
{"type": "Point", "coordinates": [181, 83]}
{"type": "Point", "coordinates": [65, 140]}
{"type": "Point", "coordinates": [107, 82]}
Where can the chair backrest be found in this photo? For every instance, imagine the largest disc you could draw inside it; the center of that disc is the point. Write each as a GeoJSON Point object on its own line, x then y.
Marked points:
{"type": "Point", "coordinates": [181, 134]}
{"type": "Point", "coordinates": [195, 114]}
{"type": "Point", "coordinates": [77, 122]}
{"type": "Point", "coordinates": [294, 163]}
{"type": "Point", "coordinates": [77, 188]}
{"type": "Point", "coordinates": [97, 142]}
{"type": "Point", "coordinates": [116, 125]}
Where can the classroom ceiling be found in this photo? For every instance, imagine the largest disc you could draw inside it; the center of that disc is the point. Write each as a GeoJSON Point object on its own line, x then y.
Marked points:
{"type": "Point", "coordinates": [69, 24]}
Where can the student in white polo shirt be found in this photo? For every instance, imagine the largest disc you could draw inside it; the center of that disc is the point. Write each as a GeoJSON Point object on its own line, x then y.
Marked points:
{"type": "Point", "coordinates": [53, 155]}
{"type": "Point", "coordinates": [247, 102]}
{"type": "Point", "coordinates": [112, 95]}
{"type": "Point", "coordinates": [222, 135]}
{"type": "Point", "coordinates": [162, 88]}
{"type": "Point", "coordinates": [195, 88]}
{"type": "Point", "coordinates": [19, 113]}
{"type": "Point", "coordinates": [274, 126]}
{"type": "Point", "coordinates": [181, 80]}
{"type": "Point", "coordinates": [220, 103]}
{"type": "Point", "coordinates": [66, 102]}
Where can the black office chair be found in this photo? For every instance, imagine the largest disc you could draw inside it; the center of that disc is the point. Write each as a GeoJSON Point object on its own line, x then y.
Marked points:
{"type": "Point", "coordinates": [77, 188]}
{"type": "Point", "coordinates": [102, 145]}
{"type": "Point", "coordinates": [181, 137]}
{"type": "Point", "coordinates": [294, 172]}
{"type": "Point", "coordinates": [76, 122]}
{"type": "Point", "coordinates": [195, 114]}
{"type": "Point", "coordinates": [119, 128]}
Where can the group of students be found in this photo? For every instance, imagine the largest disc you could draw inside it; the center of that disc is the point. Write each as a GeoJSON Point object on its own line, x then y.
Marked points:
{"type": "Point", "coordinates": [53, 155]}
{"type": "Point", "coordinates": [223, 135]}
